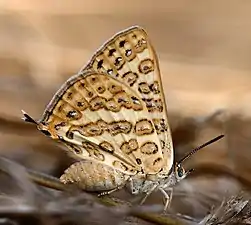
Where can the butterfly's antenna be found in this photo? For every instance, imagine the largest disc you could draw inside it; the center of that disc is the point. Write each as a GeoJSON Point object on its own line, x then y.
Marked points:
{"type": "Point", "coordinates": [200, 147]}
{"type": "Point", "coordinates": [28, 119]}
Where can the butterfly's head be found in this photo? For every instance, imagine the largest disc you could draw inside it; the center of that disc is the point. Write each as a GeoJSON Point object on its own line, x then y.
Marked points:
{"type": "Point", "coordinates": [180, 172]}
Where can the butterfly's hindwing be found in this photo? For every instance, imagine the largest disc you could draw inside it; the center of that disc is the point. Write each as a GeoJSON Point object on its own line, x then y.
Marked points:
{"type": "Point", "coordinates": [100, 118]}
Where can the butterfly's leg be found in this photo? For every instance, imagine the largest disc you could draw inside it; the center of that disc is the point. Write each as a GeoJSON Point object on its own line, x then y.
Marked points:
{"type": "Point", "coordinates": [134, 188]}
{"type": "Point", "coordinates": [171, 195]}
{"type": "Point", "coordinates": [111, 191]}
{"type": "Point", "coordinates": [168, 198]}
{"type": "Point", "coordinates": [115, 189]}
{"type": "Point", "coordinates": [147, 194]}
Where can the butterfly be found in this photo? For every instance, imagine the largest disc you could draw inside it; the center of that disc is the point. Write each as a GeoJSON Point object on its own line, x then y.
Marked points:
{"type": "Point", "coordinates": [112, 118]}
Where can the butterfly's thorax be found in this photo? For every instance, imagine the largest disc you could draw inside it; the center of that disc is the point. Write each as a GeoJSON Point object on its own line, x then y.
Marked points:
{"type": "Point", "coordinates": [145, 184]}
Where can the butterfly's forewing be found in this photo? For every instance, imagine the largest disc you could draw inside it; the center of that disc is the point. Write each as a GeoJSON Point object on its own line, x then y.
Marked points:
{"type": "Point", "coordinates": [130, 58]}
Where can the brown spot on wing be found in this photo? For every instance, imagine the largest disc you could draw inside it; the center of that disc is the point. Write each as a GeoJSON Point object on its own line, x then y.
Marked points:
{"type": "Point", "coordinates": [91, 129]}
{"type": "Point", "coordinates": [114, 88]}
{"type": "Point", "coordinates": [107, 146]}
{"type": "Point", "coordinates": [138, 40]}
{"type": "Point", "coordinates": [93, 152]}
{"type": "Point", "coordinates": [123, 99]}
{"type": "Point", "coordinates": [118, 127]}
{"type": "Point", "coordinates": [144, 88]}
{"type": "Point", "coordinates": [130, 78]}
{"type": "Point", "coordinates": [97, 128]}
{"type": "Point", "coordinates": [143, 127]}
{"type": "Point", "coordinates": [97, 103]}
{"type": "Point", "coordinates": [149, 148]}
{"type": "Point", "coordinates": [113, 105]}
{"type": "Point", "coordinates": [154, 105]}
{"type": "Point", "coordinates": [146, 66]}
{"type": "Point", "coordinates": [154, 164]}
{"type": "Point", "coordinates": [129, 146]}
{"type": "Point", "coordinates": [155, 87]}
{"type": "Point", "coordinates": [160, 125]}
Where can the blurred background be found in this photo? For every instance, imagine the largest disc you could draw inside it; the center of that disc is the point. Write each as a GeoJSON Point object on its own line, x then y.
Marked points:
{"type": "Point", "coordinates": [204, 50]}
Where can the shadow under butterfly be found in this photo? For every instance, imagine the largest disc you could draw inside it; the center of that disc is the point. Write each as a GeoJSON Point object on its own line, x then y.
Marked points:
{"type": "Point", "coordinates": [112, 118]}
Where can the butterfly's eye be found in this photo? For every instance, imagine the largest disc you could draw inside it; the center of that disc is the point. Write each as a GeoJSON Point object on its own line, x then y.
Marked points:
{"type": "Point", "coordinates": [46, 132]}
{"type": "Point", "coordinates": [180, 172]}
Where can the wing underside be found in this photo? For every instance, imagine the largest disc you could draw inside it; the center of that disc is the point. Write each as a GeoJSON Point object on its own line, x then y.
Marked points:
{"type": "Point", "coordinates": [114, 110]}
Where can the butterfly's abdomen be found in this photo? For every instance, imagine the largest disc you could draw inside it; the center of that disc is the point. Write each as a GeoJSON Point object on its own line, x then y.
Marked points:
{"type": "Point", "coordinates": [92, 176]}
